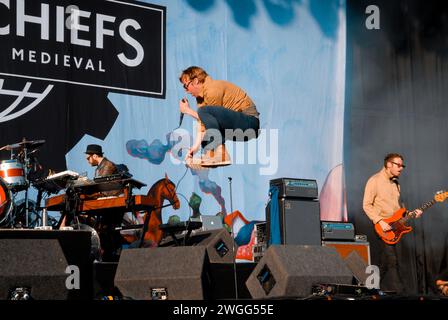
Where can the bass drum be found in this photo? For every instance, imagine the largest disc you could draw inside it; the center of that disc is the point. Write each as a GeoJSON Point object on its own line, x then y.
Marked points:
{"type": "Point", "coordinates": [6, 204]}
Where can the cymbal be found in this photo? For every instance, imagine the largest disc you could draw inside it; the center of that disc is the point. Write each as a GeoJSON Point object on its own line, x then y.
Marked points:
{"type": "Point", "coordinates": [10, 147]}
{"type": "Point", "coordinates": [23, 144]}
{"type": "Point", "coordinates": [31, 144]}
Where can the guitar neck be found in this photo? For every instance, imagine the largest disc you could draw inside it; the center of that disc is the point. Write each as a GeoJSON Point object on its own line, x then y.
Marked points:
{"type": "Point", "coordinates": [423, 208]}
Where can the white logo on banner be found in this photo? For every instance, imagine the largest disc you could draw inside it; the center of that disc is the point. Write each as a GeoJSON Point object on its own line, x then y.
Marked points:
{"type": "Point", "coordinates": [84, 43]}
{"type": "Point", "coordinates": [13, 111]}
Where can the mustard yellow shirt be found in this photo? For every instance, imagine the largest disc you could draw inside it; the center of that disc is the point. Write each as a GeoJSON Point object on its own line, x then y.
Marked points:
{"type": "Point", "coordinates": [381, 196]}
{"type": "Point", "coordinates": [225, 94]}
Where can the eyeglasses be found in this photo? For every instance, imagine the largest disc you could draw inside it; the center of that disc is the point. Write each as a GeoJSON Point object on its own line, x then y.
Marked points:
{"type": "Point", "coordinates": [186, 85]}
{"type": "Point", "coordinates": [399, 165]}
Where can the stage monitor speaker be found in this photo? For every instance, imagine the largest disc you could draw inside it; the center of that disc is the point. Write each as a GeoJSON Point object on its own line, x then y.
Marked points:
{"type": "Point", "coordinates": [33, 264]}
{"type": "Point", "coordinates": [174, 273]}
{"type": "Point", "coordinates": [103, 279]}
{"type": "Point", "coordinates": [291, 271]}
{"type": "Point", "coordinates": [32, 270]}
{"type": "Point", "coordinates": [221, 248]}
{"type": "Point", "coordinates": [222, 279]}
{"type": "Point", "coordinates": [358, 266]}
{"type": "Point", "coordinates": [299, 221]}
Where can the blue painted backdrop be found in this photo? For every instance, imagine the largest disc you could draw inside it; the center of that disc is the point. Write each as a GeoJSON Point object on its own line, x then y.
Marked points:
{"type": "Point", "coordinates": [288, 55]}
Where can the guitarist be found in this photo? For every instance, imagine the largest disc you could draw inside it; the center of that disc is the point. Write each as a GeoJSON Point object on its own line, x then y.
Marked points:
{"type": "Point", "coordinates": [381, 200]}
{"type": "Point", "coordinates": [442, 283]}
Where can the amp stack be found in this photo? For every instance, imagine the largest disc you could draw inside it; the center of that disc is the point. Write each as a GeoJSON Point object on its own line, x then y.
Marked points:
{"type": "Point", "coordinates": [299, 215]}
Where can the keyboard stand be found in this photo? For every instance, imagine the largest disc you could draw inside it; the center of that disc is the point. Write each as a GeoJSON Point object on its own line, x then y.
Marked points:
{"type": "Point", "coordinates": [145, 227]}
{"type": "Point", "coordinates": [176, 241]}
{"type": "Point", "coordinates": [173, 228]}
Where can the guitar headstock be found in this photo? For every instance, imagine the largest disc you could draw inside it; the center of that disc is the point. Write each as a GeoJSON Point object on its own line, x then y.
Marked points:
{"type": "Point", "coordinates": [440, 196]}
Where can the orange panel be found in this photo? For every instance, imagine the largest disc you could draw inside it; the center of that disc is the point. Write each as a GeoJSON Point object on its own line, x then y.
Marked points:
{"type": "Point", "coordinates": [345, 248]}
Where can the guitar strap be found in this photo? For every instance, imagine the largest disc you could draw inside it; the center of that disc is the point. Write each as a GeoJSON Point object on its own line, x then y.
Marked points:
{"type": "Point", "coordinates": [400, 199]}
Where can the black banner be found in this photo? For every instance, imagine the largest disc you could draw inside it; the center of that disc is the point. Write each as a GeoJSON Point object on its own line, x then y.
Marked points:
{"type": "Point", "coordinates": [59, 60]}
{"type": "Point", "coordinates": [98, 43]}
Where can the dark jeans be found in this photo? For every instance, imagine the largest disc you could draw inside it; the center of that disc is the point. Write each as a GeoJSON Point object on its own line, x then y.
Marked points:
{"type": "Point", "coordinates": [220, 119]}
{"type": "Point", "coordinates": [391, 279]}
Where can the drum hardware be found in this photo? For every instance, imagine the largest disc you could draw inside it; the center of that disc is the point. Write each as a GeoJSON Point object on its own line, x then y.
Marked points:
{"type": "Point", "coordinates": [44, 228]}
{"type": "Point", "coordinates": [23, 144]}
{"type": "Point", "coordinates": [27, 163]}
{"type": "Point", "coordinates": [45, 221]}
{"type": "Point", "coordinates": [16, 174]}
{"type": "Point", "coordinates": [6, 203]}
{"type": "Point", "coordinates": [44, 217]}
{"type": "Point", "coordinates": [19, 218]}
{"type": "Point", "coordinates": [13, 174]}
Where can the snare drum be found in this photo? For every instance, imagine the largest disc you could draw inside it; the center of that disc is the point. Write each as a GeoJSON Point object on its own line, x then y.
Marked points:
{"type": "Point", "coordinates": [12, 172]}
{"type": "Point", "coordinates": [5, 202]}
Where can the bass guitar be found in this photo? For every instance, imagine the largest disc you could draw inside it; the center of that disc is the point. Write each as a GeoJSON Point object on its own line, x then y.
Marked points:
{"type": "Point", "coordinates": [401, 216]}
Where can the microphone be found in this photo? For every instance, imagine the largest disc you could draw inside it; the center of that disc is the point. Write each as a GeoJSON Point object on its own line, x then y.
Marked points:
{"type": "Point", "coordinates": [181, 118]}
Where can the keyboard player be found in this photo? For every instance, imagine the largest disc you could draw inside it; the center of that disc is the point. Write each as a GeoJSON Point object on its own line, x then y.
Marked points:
{"type": "Point", "coordinates": [105, 224]}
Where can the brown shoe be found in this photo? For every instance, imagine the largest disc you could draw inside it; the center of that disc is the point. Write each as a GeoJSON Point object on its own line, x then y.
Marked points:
{"type": "Point", "coordinates": [216, 158]}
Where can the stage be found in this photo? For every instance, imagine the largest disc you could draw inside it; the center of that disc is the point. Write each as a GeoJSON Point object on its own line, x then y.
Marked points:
{"type": "Point", "coordinates": [253, 152]}
{"type": "Point", "coordinates": [58, 265]}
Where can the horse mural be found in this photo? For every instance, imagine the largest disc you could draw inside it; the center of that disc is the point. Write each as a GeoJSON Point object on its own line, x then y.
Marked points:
{"type": "Point", "coordinates": [162, 190]}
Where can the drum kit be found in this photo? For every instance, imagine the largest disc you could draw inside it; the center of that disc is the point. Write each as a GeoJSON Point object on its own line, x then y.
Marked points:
{"type": "Point", "coordinates": [16, 175]}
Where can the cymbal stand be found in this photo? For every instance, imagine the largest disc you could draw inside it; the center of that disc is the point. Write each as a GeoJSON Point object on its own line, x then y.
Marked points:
{"type": "Point", "coordinates": [39, 208]}
{"type": "Point", "coordinates": [27, 163]}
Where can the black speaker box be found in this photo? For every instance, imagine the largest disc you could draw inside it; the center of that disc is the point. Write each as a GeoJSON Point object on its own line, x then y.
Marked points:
{"type": "Point", "coordinates": [221, 248]}
{"type": "Point", "coordinates": [299, 221]}
{"type": "Point", "coordinates": [34, 262]}
{"type": "Point", "coordinates": [174, 273]}
{"type": "Point", "coordinates": [103, 280]}
{"type": "Point", "coordinates": [224, 276]}
{"type": "Point", "coordinates": [291, 271]}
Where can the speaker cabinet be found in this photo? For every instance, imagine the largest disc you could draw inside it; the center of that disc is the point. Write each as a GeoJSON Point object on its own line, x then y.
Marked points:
{"type": "Point", "coordinates": [291, 271]}
{"type": "Point", "coordinates": [223, 277]}
{"type": "Point", "coordinates": [33, 264]}
{"type": "Point", "coordinates": [173, 273]}
{"type": "Point", "coordinates": [220, 246]}
{"type": "Point", "coordinates": [356, 256]}
{"type": "Point", "coordinates": [103, 279]}
{"type": "Point", "coordinates": [299, 221]}
{"type": "Point", "coordinates": [358, 266]}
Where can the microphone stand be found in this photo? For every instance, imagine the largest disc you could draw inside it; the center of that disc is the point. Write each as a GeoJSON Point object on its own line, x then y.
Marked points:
{"type": "Point", "coordinates": [233, 242]}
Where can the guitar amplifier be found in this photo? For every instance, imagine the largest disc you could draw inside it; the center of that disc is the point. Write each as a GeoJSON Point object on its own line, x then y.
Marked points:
{"type": "Point", "coordinates": [337, 231]}
{"type": "Point", "coordinates": [295, 188]}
